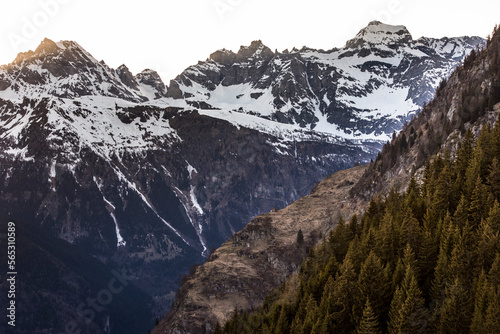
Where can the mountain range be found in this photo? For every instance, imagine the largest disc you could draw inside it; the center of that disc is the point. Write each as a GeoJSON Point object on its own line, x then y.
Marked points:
{"type": "Point", "coordinates": [148, 178]}
{"type": "Point", "coordinates": [408, 243]}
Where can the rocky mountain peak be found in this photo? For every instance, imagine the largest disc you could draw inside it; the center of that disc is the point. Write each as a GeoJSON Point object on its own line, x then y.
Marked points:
{"type": "Point", "coordinates": [67, 70]}
{"type": "Point", "coordinates": [152, 78]}
{"type": "Point", "coordinates": [223, 56]}
{"type": "Point", "coordinates": [47, 46]}
{"type": "Point", "coordinates": [379, 33]}
{"type": "Point", "coordinates": [257, 49]}
{"type": "Point", "coordinates": [126, 77]}
{"type": "Point", "coordinates": [48, 50]}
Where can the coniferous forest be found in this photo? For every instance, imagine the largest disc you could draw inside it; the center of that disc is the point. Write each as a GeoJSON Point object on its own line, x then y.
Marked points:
{"type": "Point", "coordinates": [427, 260]}
{"type": "Point", "coordinates": [423, 261]}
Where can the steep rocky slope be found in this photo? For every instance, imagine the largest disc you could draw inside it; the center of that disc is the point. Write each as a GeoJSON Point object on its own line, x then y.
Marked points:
{"type": "Point", "coordinates": [258, 258]}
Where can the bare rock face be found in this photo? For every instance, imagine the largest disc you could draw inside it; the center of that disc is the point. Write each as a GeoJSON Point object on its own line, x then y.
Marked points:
{"type": "Point", "coordinates": [152, 79]}
{"type": "Point", "coordinates": [126, 77]}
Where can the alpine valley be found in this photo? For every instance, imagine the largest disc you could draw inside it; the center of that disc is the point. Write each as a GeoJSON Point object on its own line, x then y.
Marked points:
{"type": "Point", "coordinates": [111, 177]}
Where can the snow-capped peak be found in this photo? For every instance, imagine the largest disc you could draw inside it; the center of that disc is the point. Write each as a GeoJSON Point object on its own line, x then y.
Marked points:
{"type": "Point", "coordinates": [64, 69]}
{"type": "Point", "coordinates": [379, 33]}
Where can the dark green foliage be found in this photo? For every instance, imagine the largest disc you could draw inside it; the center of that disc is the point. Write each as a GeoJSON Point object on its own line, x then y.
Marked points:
{"type": "Point", "coordinates": [425, 261]}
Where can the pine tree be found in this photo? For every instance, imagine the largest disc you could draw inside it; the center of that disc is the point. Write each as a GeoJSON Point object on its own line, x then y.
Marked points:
{"type": "Point", "coordinates": [493, 219]}
{"type": "Point", "coordinates": [471, 175]}
{"type": "Point", "coordinates": [492, 318]}
{"type": "Point", "coordinates": [442, 278]}
{"type": "Point", "coordinates": [456, 312]}
{"type": "Point", "coordinates": [427, 258]}
{"type": "Point", "coordinates": [395, 318]}
{"type": "Point", "coordinates": [398, 275]}
{"type": "Point", "coordinates": [486, 148]}
{"type": "Point", "coordinates": [413, 312]}
{"type": "Point", "coordinates": [414, 199]}
{"type": "Point", "coordinates": [410, 261]}
{"type": "Point", "coordinates": [369, 322]}
{"type": "Point", "coordinates": [461, 216]}
{"type": "Point", "coordinates": [442, 199]}
{"type": "Point", "coordinates": [388, 239]}
{"type": "Point", "coordinates": [494, 273]}
{"type": "Point", "coordinates": [478, 203]}
{"type": "Point", "coordinates": [218, 329]}
{"type": "Point", "coordinates": [355, 254]}
{"type": "Point", "coordinates": [311, 315]}
{"type": "Point", "coordinates": [300, 237]}
{"type": "Point", "coordinates": [488, 239]}
{"type": "Point", "coordinates": [340, 239]}
{"type": "Point", "coordinates": [465, 154]}
{"type": "Point", "coordinates": [408, 313]}
{"type": "Point", "coordinates": [480, 305]}
{"type": "Point", "coordinates": [374, 284]}
{"type": "Point", "coordinates": [493, 179]}
{"type": "Point", "coordinates": [339, 298]}
{"type": "Point", "coordinates": [411, 231]}
{"type": "Point", "coordinates": [282, 325]}
{"type": "Point", "coordinates": [463, 257]}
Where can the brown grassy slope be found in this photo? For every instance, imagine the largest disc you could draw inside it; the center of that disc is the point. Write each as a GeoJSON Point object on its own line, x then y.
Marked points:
{"type": "Point", "coordinates": [257, 259]}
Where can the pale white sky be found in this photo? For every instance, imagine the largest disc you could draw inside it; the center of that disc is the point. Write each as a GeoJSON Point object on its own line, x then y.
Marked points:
{"type": "Point", "coordinates": [168, 36]}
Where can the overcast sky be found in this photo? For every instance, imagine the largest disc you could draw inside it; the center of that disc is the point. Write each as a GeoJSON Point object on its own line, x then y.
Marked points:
{"type": "Point", "coordinates": [168, 36]}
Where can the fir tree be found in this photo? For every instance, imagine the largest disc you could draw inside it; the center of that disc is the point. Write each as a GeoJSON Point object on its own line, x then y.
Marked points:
{"type": "Point", "coordinates": [339, 301]}
{"type": "Point", "coordinates": [478, 203]}
{"type": "Point", "coordinates": [410, 230]}
{"type": "Point", "coordinates": [373, 284]}
{"type": "Point", "coordinates": [300, 237]}
{"type": "Point", "coordinates": [493, 179]}
{"type": "Point", "coordinates": [492, 318]}
{"type": "Point", "coordinates": [369, 322]}
{"type": "Point", "coordinates": [480, 305]}
{"type": "Point", "coordinates": [456, 312]}
{"type": "Point", "coordinates": [408, 313]}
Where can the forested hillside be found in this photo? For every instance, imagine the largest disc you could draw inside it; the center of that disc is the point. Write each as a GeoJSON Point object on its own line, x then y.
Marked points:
{"type": "Point", "coordinates": [424, 260]}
